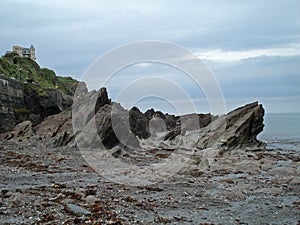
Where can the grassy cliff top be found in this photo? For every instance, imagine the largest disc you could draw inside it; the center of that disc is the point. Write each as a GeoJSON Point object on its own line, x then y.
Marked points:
{"type": "Point", "coordinates": [25, 69]}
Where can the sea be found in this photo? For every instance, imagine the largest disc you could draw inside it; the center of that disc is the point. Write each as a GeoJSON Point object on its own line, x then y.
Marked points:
{"type": "Point", "coordinates": [282, 131]}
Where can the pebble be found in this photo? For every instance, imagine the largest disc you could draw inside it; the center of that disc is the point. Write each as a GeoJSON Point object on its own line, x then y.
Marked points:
{"type": "Point", "coordinates": [161, 219]}
{"type": "Point", "coordinates": [91, 199]}
{"type": "Point", "coordinates": [232, 195]}
{"type": "Point", "coordinates": [58, 197]}
{"type": "Point", "coordinates": [77, 210]}
{"type": "Point", "coordinates": [226, 180]}
{"type": "Point", "coordinates": [80, 192]}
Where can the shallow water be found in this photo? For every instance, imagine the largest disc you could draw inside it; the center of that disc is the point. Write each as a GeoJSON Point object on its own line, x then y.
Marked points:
{"type": "Point", "coordinates": [282, 130]}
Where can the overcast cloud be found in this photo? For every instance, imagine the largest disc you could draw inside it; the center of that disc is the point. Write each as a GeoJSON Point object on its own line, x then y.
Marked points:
{"type": "Point", "coordinates": [253, 48]}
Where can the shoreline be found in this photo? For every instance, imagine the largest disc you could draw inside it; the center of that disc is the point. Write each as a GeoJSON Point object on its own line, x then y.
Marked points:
{"type": "Point", "coordinates": [55, 185]}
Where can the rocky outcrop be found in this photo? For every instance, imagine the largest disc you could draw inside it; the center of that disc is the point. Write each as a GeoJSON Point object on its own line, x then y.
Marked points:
{"type": "Point", "coordinates": [236, 130]}
{"type": "Point", "coordinates": [104, 125]}
{"type": "Point", "coordinates": [96, 121]}
{"type": "Point", "coordinates": [243, 125]}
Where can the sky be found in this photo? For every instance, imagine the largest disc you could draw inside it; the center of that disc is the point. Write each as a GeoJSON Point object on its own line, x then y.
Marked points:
{"type": "Point", "coordinates": [252, 48]}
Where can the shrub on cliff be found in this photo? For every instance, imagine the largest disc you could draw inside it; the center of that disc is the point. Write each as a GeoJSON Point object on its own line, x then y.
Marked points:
{"type": "Point", "coordinates": [25, 69]}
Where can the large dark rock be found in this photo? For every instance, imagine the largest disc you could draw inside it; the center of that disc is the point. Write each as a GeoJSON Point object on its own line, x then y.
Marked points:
{"type": "Point", "coordinates": [139, 123]}
{"type": "Point", "coordinates": [108, 128]}
{"type": "Point", "coordinates": [105, 128]}
{"type": "Point", "coordinates": [57, 130]}
{"type": "Point", "coordinates": [236, 130]}
{"type": "Point", "coordinates": [243, 125]}
{"type": "Point", "coordinates": [102, 99]}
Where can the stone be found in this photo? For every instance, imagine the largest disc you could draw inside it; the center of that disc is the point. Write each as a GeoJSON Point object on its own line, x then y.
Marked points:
{"type": "Point", "coordinates": [242, 127]}
{"type": "Point", "coordinates": [226, 180]}
{"type": "Point", "coordinates": [91, 199]}
{"type": "Point", "coordinates": [113, 128]}
{"type": "Point", "coordinates": [162, 219]}
{"type": "Point", "coordinates": [80, 192]}
{"type": "Point", "coordinates": [102, 99]}
{"type": "Point", "coordinates": [189, 122]}
{"type": "Point", "coordinates": [76, 210]}
{"type": "Point", "coordinates": [232, 195]}
{"type": "Point", "coordinates": [267, 164]}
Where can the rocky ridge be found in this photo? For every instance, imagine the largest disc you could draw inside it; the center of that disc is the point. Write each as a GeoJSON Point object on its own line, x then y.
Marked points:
{"type": "Point", "coordinates": [235, 130]}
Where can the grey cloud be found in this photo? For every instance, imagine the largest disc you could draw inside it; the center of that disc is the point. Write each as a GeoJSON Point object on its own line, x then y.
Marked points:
{"type": "Point", "coordinates": [69, 35]}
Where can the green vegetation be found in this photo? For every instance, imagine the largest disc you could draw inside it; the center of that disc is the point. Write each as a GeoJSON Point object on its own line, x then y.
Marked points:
{"type": "Point", "coordinates": [27, 70]}
{"type": "Point", "coordinates": [22, 110]}
{"type": "Point", "coordinates": [38, 89]}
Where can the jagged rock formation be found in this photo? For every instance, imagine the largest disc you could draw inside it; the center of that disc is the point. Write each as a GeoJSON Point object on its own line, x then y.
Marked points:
{"type": "Point", "coordinates": [238, 129]}
{"type": "Point", "coordinates": [243, 125]}
{"type": "Point", "coordinates": [100, 122]}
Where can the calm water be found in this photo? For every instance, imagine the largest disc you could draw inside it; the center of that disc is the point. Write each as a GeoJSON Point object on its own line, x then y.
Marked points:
{"type": "Point", "coordinates": [282, 131]}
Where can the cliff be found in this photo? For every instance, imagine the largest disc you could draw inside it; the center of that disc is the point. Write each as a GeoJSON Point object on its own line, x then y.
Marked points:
{"type": "Point", "coordinates": [27, 70]}
{"type": "Point", "coordinates": [28, 92]}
